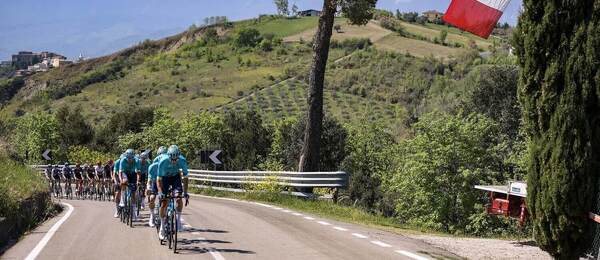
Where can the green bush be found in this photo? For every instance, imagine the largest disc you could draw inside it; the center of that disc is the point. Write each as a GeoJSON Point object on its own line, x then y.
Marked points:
{"type": "Point", "coordinates": [247, 37]}
{"type": "Point", "coordinates": [438, 168]}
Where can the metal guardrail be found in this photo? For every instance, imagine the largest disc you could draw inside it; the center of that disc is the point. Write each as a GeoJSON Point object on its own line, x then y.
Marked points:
{"type": "Point", "coordinates": [286, 179]}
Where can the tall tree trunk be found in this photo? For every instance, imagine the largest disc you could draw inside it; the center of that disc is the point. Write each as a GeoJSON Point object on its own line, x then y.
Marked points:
{"type": "Point", "coordinates": [309, 159]}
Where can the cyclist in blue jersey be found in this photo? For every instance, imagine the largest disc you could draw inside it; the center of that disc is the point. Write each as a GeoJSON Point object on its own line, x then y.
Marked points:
{"type": "Point", "coordinates": [144, 164]}
{"type": "Point", "coordinates": [172, 172]}
{"type": "Point", "coordinates": [160, 153]}
{"type": "Point", "coordinates": [117, 184]}
{"type": "Point", "coordinates": [129, 171]}
{"type": "Point", "coordinates": [152, 190]}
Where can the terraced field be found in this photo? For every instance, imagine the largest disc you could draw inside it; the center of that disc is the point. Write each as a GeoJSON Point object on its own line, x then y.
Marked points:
{"type": "Point", "coordinates": [288, 99]}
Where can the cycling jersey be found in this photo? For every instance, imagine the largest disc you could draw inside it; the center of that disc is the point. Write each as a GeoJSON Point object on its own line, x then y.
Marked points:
{"type": "Point", "coordinates": [90, 172]}
{"type": "Point", "coordinates": [166, 168]}
{"type": "Point", "coordinates": [78, 172]}
{"type": "Point", "coordinates": [129, 167]}
{"type": "Point", "coordinates": [157, 159]}
{"type": "Point", "coordinates": [99, 170]}
{"type": "Point", "coordinates": [66, 170]}
{"type": "Point", "coordinates": [56, 172]}
{"type": "Point", "coordinates": [144, 164]}
{"type": "Point", "coordinates": [152, 172]}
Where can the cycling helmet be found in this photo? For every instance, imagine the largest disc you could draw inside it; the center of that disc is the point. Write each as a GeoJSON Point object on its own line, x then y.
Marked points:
{"type": "Point", "coordinates": [161, 150]}
{"type": "Point", "coordinates": [144, 155]}
{"type": "Point", "coordinates": [173, 152]}
{"type": "Point", "coordinates": [78, 165]}
{"type": "Point", "coordinates": [129, 154]}
{"type": "Point", "coordinates": [66, 164]}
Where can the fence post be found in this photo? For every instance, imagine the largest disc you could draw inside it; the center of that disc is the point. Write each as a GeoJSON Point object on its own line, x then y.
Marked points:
{"type": "Point", "coordinates": [336, 192]}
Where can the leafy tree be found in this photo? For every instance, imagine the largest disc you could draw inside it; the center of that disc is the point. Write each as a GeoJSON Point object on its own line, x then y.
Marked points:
{"type": "Point", "coordinates": [493, 93]}
{"type": "Point", "coordinates": [128, 120]}
{"type": "Point", "coordinates": [74, 130]}
{"type": "Point", "coordinates": [294, 10]}
{"type": "Point", "coordinates": [210, 35]}
{"type": "Point", "coordinates": [288, 141]}
{"type": "Point", "coordinates": [557, 45]}
{"type": "Point", "coordinates": [33, 134]}
{"type": "Point", "coordinates": [438, 168]}
{"type": "Point", "coordinates": [370, 156]}
{"type": "Point", "coordinates": [282, 7]}
{"type": "Point", "coordinates": [245, 141]}
{"type": "Point", "coordinates": [358, 12]}
{"type": "Point", "coordinates": [247, 37]}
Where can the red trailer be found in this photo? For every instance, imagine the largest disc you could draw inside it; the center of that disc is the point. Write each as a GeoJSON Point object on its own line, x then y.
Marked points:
{"type": "Point", "coordinates": [507, 200]}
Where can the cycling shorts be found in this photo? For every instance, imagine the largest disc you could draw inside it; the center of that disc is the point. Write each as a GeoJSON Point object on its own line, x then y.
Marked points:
{"type": "Point", "coordinates": [172, 181]}
{"type": "Point", "coordinates": [131, 178]}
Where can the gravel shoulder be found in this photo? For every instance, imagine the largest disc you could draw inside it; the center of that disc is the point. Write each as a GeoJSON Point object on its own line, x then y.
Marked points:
{"type": "Point", "coordinates": [480, 248]}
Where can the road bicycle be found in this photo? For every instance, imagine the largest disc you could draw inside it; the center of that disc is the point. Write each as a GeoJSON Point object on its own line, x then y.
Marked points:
{"type": "Point", "coordinates": [57, 189]}
{"type": "Point", "coordinates": [171, 227]}
{"type": "Point", "coordinates": [127, 211]}
{"type": "Point", "coordinates": [68, 188]}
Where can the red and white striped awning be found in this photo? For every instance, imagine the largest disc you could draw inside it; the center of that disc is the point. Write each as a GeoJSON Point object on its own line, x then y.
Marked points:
{"type": "Point", "coordinates": [476, 16]}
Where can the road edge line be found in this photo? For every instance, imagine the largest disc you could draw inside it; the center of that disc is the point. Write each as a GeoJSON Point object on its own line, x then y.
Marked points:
{"type": "Point", "coordinates": [40, 245]}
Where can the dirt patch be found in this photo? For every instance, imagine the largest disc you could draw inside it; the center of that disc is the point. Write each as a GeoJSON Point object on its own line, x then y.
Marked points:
{"type": "Point", "coordinates": [479, 248]}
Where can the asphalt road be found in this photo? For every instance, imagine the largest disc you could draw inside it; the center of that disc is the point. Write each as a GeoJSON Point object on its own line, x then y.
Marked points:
{"type": "Point", "coordinates": [215, 229]}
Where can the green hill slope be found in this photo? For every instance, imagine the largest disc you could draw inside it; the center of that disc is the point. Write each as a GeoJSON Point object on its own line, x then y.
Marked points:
{"type": "Point", "coordinates": [186, 74]}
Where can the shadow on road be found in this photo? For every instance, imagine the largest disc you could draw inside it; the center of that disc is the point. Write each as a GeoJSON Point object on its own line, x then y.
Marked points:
{"type": "Point", "coordinates": [192, 246]}
{"type": "Point", "coordinates": [190, 230]}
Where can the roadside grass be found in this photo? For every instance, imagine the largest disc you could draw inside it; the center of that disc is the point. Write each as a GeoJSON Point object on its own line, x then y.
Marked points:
{"type": "Point", "coordinates": [320, 208]}
{"type": "Point", "coordinates": [329, 210]}
{"type": "Point", "coordinates": [24, 200]}
{"type": "Point", "coordinates": [18, 181]}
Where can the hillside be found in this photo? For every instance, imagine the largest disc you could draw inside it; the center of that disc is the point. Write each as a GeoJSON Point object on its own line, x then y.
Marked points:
{"type": "Point", "coordinates": [185, 74]}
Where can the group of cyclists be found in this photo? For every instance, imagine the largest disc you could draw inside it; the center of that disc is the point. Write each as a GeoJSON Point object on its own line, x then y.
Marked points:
{"type": "Point", "coordinates": [134, 178]}
{"type": "Point", "coordinates": [90, 181]}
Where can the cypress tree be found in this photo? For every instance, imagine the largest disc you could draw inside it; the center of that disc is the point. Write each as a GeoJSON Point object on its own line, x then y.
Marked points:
{"type": "Point", "coordinates": [558, 45]}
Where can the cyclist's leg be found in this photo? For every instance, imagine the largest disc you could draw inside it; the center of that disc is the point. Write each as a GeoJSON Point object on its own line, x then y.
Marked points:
{"type": "Point", "coordinates": [124, 182]}
{"type": "Point", "coordinates": [178, 191]}
{"type": "Point", "coordinates": [153, 190]}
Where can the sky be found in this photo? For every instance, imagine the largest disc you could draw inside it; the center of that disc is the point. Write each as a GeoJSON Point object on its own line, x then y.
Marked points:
{"type": "Point", "coordinates": [100, 27]}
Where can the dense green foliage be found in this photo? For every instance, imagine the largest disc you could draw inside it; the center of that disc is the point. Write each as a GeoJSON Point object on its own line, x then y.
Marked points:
{"type": "Point", "coordinates": [19, 184]}
{"type": "Point", "coordinates": [438, 168]}
{"type": "Point", "coordinates": [9, 88]}
{"type": "Point", "coordinates": [33, 134]}
{"type": "Point", "coordinates": [557, 44]}
{"type": "Point", "coordinates": [74, 130]}
{"type": "Point", "coordinates": [287, 142]}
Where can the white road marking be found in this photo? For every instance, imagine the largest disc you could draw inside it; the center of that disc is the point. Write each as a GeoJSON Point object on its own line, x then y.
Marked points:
{"type": "Point", "coordinates": [359, 235]}
{"type": "Point", "coordinates": [309, 218]}
{"type": "Point", "coordinates": [411, 255]}
{"type": "Point", "coordinates": [277, 208]}
{"type": "Point", "coordinates": [287, 211]}
{"type": "Point", "coordinates": [340, 228]}
{"type": "Point", "coordinates": [324, 223]}
{"type": "Point", "coordinates": [213, 252]}
{"type": "Point", "coordinates": [297, 214]}
{"type": "Point", "coordinates": [381, 244]}
{"type": "Point", "coordinates": [40, 246]}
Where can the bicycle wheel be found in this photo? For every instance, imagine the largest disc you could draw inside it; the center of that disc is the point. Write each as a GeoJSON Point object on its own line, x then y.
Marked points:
{"type": "Point", "coordinates": [131, 210]}
{"type": "Point", "coordinates": [175, 234]}
{"type": "Point", "coordinates": [170, 234]}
